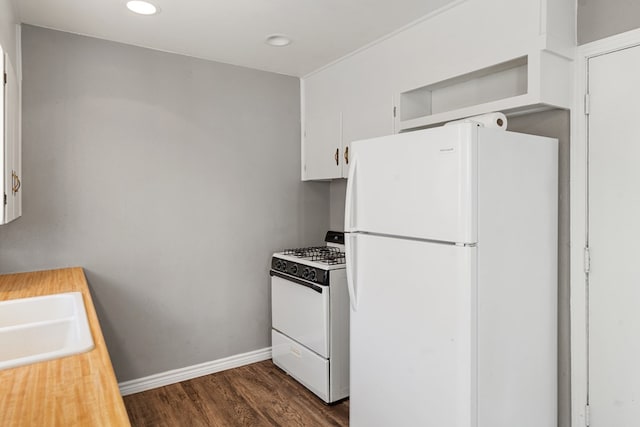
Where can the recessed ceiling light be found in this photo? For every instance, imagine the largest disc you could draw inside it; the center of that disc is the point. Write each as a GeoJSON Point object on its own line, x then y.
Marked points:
{"type": "Point", "coordinates": [278, 40]}
{"type": "Point", "coordinates": [142, 7]}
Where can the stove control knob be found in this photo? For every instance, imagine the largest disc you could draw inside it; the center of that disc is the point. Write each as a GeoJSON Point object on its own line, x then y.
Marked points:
{"type": "Point", "coordinates": [294, 269]}
{"type": "Point", "coordinates": [284, 265]}
{"type": "Point", "coordinates": [312, 275]}
{"type": "Point", "coordinates": [305, 273]}
{"type": "Point", "coordinates": [278, 265]}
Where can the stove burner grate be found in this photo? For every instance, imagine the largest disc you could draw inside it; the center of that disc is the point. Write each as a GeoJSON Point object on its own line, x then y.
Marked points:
{"type": "Point", "coordinates": [324, 254]}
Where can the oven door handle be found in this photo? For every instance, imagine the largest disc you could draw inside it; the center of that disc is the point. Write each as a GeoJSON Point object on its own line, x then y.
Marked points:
{"type": "Point", "coordinates": [296, 280]}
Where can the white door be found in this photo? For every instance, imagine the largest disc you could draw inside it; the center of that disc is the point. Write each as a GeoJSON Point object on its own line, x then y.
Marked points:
{"type": "Point", "coordinates": [613, 238]}
{"type": "Point", "coordinates": [427, 178]}
{"type": "Point", "coordinates": [412, 332]}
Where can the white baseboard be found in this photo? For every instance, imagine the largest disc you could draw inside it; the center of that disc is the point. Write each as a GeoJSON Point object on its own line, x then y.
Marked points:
{"type": "Point", "coordinates": [189, 372]}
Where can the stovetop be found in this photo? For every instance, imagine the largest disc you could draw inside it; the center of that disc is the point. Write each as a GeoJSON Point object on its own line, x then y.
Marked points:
{"type": "Point", "coordinates": [311, 263]}
{"type": "Point", "coordinates": [318, 257]}
{"type": "Point", "coordinates": [330, 255]}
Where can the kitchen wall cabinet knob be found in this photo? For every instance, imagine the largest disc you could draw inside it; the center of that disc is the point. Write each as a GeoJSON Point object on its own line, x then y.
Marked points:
{"type": "Point", "coordinates": [346, 154]}
{"type": "Point", "coordinates": [16, 182]}
{"type": "Point", "coordinates": [337, 156]}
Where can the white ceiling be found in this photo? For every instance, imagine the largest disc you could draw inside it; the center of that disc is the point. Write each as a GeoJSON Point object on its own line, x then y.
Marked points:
{"type": "Point", "coordinates": [233, 31]}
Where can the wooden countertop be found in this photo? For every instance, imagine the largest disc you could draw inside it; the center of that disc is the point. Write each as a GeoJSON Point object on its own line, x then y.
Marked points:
{"type": "Point", "coordinates": [77, 390]}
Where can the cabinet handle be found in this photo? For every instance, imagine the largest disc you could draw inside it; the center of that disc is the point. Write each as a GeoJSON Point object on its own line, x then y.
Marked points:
{"type": "Point", "coordinates": [16, 182]}
{"type": "Point", "coordinates": [337, 156]}
{"type": "Point", "coordinates": [346, 154]}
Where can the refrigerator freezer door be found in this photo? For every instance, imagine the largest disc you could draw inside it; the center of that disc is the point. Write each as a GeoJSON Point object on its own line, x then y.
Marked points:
{"type": "Point", "coordinates": [413, 348]}
{"type": "Point", "coordinates": [418, 184]}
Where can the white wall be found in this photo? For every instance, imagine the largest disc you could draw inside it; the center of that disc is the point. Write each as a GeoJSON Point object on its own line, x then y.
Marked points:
{"type": "Point", "coordinates": [171, 180]}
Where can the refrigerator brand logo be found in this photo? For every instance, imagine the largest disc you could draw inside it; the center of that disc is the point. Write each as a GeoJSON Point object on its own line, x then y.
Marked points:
{"type": "Point", "coordinates": [445, 150]}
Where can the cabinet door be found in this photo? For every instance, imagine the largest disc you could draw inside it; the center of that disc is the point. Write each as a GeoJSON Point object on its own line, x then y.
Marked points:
{"type": "Point", "coordinates": [12, 145]}
{"type": "Point", "coordinates": [323, 146]}
{"type": "Point", "coordinates": [368, 119]}
{"type": "Point", "coordinates": [3, 139]}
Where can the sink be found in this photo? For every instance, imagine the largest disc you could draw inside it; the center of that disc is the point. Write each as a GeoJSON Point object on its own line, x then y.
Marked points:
{"type": "Point", "coordinates": [43, 328]}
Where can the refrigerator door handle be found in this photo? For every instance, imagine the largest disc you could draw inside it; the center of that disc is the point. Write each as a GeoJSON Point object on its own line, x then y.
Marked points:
{"type": "Point", "coordinates": [350, 248]}
{"type": "Point", "coordinates": [350, 197]}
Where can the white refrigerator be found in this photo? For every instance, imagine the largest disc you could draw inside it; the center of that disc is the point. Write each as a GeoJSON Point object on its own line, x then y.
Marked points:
{"type": "Point", "coordinates": [451, 245]}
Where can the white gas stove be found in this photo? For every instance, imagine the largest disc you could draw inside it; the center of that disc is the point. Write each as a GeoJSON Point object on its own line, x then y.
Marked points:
{"type": "Point", "coordinates": [310, 316]}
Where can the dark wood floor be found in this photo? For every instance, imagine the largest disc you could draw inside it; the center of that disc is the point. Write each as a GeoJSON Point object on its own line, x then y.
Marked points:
{"type": "Point", "coordinates": [254, 395]}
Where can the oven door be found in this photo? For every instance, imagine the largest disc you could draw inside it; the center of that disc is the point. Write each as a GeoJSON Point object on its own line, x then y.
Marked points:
{"type": "Point", "coordinates": [300, 310]}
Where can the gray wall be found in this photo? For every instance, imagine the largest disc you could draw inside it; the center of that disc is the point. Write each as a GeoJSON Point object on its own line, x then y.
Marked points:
{"type": "Point", "coordinates": [337, 195]}
{"type": "Point", "coordinates": [602, 18]}
{"type": "Point", "coordinates": [171, 180]}
{"type": "Point", "coordinates": [554, 124]}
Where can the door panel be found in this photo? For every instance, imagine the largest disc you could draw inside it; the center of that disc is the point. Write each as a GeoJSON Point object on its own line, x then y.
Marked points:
{"type": "Point", "coordinates": [366, 117]}
{"type": "Point", "coordinates": [12, 146]}
{"type": "Point", "coordinates": [614, 233]}
{"type": "Point", "coordinates": [322, 147]}
{"type": "Point", "coordinates": [412, 333]}
{"type": "Point", "coordinates": [427, 178]}
{"type": "Point", "coordinates": [301, 313]}
{"type": "Point", "coordinates": [3, 140]}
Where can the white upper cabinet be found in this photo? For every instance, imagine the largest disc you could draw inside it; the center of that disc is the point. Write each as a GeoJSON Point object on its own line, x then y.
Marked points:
{"type": "Point", "coordinates": [343, 103]}
{"type": "Point", "coordinates": [367, 105]}
{"type": "Point", "coordinates": [11, 153]}
{"type": "Point", "coordinates": [471, 57]}
{"type": "Point", "coordinates": [322, 129]}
